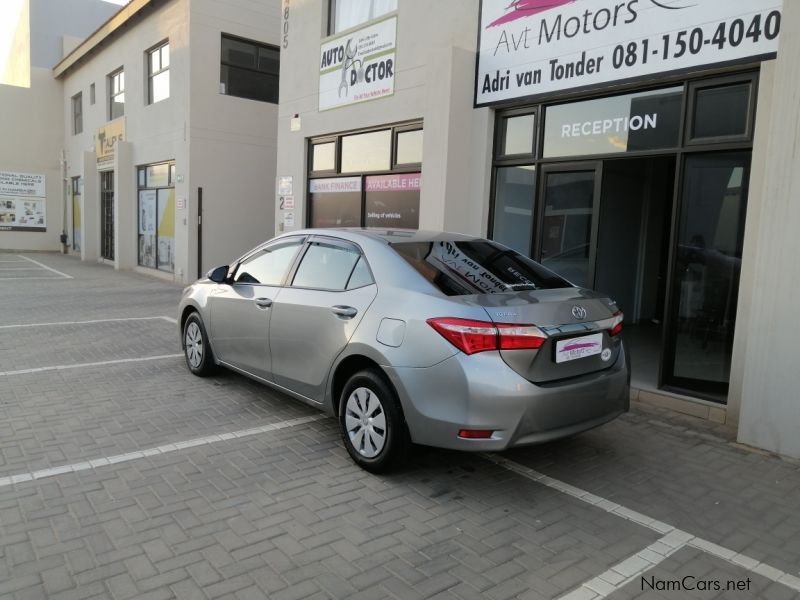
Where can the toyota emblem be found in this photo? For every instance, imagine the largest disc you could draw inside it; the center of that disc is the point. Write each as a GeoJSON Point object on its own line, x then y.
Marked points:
{"type": "Point", "coordinates": [579, 312]}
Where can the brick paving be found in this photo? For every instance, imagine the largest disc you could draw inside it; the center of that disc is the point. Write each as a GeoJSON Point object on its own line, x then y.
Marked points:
{"type": "Point", "coordinates": [285, 514]}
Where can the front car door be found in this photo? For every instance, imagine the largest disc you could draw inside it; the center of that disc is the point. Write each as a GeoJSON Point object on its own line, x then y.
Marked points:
{"type": "Point", "coordinates": [240, 309]}
{"type": "Point", "coordinates": [316, 314]}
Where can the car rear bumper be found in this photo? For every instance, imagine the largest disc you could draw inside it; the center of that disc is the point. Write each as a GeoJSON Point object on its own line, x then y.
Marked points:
{"type": "Point", "coordinates": [481, 392]}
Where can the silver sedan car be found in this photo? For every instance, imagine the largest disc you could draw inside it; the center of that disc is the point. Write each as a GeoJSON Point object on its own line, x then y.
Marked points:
{"type": "Point", "coordinates": [413, 337]}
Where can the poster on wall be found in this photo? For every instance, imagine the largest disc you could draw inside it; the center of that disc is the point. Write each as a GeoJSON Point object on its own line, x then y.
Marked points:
{"type": "Point", "coordinates": [166, 229]}
{"type": "Point", "coordinates": [358, 66]}
{"type": "Point", "coordinates": [147, 228]}
{"type": "Point", "coordinates": [22, 202]}
{"type": "Point", "coordinates": [529, 48]}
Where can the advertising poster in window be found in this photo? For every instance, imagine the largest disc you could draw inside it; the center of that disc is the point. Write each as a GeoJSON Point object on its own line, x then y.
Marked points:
{"type": "Point", "coordinates": [393, 201]}
{"type": "Point", "coordinates": [166, 230]}
{"type": "Point", "coordinates": [533, 47]}
{"type": "Point", "coordinates": [358, 66]}
{"type": "Point", "coordinates": [147, 228]}
{"type": "Point", "coordinates": [335, 202]}
{"type": "Point", "coordinates": [22, 202]}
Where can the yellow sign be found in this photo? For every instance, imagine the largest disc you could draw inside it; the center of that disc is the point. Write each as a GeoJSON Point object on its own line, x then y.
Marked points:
{"type": "Point", "coordinates": [106, 140]}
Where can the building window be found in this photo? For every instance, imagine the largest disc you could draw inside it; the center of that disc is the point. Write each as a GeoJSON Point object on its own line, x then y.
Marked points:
{"type": "Point", "coordinates": [116, 94]}
{"type": "Point", "coordinates": [91, 94]}
{"type": "Point", "coordinates": [345, 14]}
{"type": "Point", "coordinates": [156, 216]}
{"type": "Point", "coordinates": [381, 186]}
{"type": "Point", "coordinates": [77, 113]}
{"type": "Point", "coordinates": [158, 74]}
{"type": "Point", "coordinates": [249, 69]}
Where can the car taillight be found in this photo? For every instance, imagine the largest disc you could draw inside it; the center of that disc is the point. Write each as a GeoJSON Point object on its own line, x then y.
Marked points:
{"type": "Point", "coordinates": [479, 336]}
{"type": "Point", "coordinates": [616, 324]}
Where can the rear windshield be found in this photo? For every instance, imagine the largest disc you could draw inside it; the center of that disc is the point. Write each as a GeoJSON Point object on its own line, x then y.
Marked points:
{"type": "Point", "coordinates": [476, 267]}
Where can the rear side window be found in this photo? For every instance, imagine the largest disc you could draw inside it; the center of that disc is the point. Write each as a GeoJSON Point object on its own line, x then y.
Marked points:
{"type": "Point", "coordinates": [268, 266]}
{"type": "Point", "coordinates": [476, 267]}
{"type": "Point", "coordinates": [326, 267]}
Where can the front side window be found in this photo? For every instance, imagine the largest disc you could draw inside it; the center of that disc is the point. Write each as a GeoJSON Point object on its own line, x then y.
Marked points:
{"type": "Point", "coordinates": [349, 13]}
{"type": "Point", "coordinates": [77, 114]}
{"type": "Point", "coordinates": [249, 69]}
{"type": "Point", "coordinates": [476, 267]}
{"type": "Point", "coordinates": [326, 267]}
{"type": "Point", "coordinates": [116, 94]}
{"type": "Point", "coordinates": [158, 74]}
{"type": "Point", "coordinates": [268, 266]}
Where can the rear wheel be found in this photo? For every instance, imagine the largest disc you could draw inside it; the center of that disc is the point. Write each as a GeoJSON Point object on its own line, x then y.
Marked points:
{"type": "Point", "coordinates": [371, 422]}
{"type": "Point", "coordinates": [196, 348]}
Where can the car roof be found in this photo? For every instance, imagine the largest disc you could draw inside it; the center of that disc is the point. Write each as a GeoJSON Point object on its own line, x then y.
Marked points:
{"type": "Point", "coordinates": [388, 236]}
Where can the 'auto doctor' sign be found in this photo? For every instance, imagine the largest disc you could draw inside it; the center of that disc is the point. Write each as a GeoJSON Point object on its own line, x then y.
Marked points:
{"type": "Point", "coordinates": [534, 47]}
{"type": "Point", "coordinates": [358, 66]}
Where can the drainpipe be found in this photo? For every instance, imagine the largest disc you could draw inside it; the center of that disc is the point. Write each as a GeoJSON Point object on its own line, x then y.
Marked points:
{"type": "Point", "coordinates": [64, 195]}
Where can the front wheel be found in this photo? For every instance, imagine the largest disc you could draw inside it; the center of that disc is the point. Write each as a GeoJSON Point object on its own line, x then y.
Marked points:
{"type": "Point", "coordinates": [196, 348]}
{"type": "Point", "coordinates": [371, 422]}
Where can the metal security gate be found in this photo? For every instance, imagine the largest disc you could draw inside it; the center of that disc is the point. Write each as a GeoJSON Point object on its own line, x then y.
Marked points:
{"type": "Point", "coordinates": [107, 215]}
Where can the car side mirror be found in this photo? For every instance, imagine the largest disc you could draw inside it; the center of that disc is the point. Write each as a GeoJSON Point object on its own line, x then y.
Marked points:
{"type": "Point", "coordinates": [218, 275]}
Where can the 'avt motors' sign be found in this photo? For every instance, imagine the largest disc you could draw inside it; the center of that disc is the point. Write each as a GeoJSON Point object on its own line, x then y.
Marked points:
{"type": "Point", "coordinates": [534, 47]}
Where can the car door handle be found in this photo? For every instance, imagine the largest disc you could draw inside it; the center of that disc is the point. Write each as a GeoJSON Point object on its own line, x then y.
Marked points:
{"type": "Point", "coordinates": [263, 302]}
{"type": "Point", "coordinates": [348, 312]}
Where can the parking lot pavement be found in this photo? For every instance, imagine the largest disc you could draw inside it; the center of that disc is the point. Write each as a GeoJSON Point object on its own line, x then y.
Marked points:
{"type": "Point", "coordinates": [123, 476]}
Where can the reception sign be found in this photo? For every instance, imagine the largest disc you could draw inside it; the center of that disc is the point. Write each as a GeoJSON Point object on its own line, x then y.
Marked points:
{"type": "Point", "coordinates": [529, 48]}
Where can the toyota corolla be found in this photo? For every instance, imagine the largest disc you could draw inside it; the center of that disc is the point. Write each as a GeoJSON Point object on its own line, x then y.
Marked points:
{"type": "Point", "coordinates": [413, 337]}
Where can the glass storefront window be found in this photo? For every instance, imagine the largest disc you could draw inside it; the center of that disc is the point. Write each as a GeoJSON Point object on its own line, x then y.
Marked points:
{"type": "Point", "coordinates": [335, 202]}
{"type": "Point", "coordinates": [709, 257]}
{"type": "Point", "coordinates": [512, 223]}
{"type": "Point", "coordinates": [627, 123]}
{"type": "Point", "coordinates": [721, 111]}
{"type": "Point", "coordinates": [367, 151]}
{"type": "Point", "coordinates": [518, 134]}
{"type": "Point", "coordinates": [323, 157]}
{"type": "Point", "coordinates": [392, 201]}
{"type": "Point", "coordinates": [156, 216]}
{"type": "Point", "coordinates": [409, 147]}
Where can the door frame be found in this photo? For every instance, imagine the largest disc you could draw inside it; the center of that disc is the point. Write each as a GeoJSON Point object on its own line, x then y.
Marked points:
{"type": "Point", "coordinates": [595, 166]}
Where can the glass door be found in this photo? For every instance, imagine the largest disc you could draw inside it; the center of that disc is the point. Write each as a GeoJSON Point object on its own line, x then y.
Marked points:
{"type": "Point", "coordinates": [705, 277]}
{"type": "Point", "coordinates": [569, 218]}
{"type": "Point", "coordinates": [107, 215]}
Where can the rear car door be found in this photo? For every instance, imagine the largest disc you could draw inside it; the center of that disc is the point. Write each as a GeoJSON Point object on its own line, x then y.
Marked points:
{"type": "Point", "coordinates": [241, 309]}
{"type": "Point", "coordinates": [316, 314]}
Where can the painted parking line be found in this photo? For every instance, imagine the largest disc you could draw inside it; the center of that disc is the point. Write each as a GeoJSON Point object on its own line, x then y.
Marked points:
{"type": "Point", "coordinates": [44, 266]}
{"type": "Point", "coordinates": [667, 530]}
{"type": "Point", "coordinates": [89, 322]}
{"type": "Point", "coordinates": [158, 450]}
{"type": "Point", "coordinates": [87, 365]}
{"type": "Point", "coordinates": [629, 569]}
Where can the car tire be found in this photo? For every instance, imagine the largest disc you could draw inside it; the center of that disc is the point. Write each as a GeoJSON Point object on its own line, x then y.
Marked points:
{"type": "Point", "coordinates": [196, 349]}
{"type": "Point", "coordinates": [371, 422]}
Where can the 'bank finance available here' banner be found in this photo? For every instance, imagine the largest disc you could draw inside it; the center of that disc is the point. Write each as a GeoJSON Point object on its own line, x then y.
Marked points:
{"type": "Point", "coordinates": [534, 47]}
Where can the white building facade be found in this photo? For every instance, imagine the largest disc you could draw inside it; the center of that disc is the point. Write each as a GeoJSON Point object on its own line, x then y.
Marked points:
{"type": "Point", "coordinates": [646, 149]}
{"type": "Point", "coordinates": [34, 35]}
{"type": "Point", "coordinates": [169, 113]}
